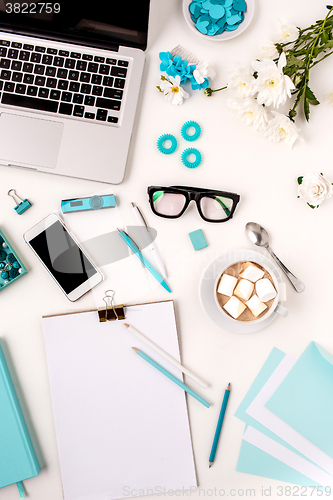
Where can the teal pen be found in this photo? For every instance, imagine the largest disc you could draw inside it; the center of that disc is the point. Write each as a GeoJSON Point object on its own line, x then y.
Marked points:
{"type": "Point", "coordinates": [133, 246]}
{"type": "Point", "coordinates": [219, 425]}
{"type": "Point", "coordinates": [171, 377]}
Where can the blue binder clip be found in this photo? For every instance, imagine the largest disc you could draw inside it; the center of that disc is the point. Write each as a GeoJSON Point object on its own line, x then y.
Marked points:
{"type": "Point", "coordinates": [22, 205]}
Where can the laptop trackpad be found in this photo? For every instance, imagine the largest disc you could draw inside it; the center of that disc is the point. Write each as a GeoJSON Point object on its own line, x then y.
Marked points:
{"type": "Point", "coordinates": [29, 141]}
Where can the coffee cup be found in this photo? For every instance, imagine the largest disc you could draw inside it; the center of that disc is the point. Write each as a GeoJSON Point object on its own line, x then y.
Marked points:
{"type": "Point", "coordinates": [273, 305]}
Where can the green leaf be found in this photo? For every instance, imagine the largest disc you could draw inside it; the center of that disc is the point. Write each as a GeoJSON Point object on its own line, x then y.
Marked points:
{"type": "Point", "coordinates": [164, 79]}
{"type": "Point", "coordinates": [306, 108]}
{"type": "Point", "coordinates": [317, 51]}
{"type": "Point", "coordinates": [322, 48]}
{"type": "Point", "coordinates": [300, 179]}
{"type": "Point", "coordinates": [293, 61]}
{"type": "Point", "coordinates": [312, 206]}
{"type": "Point", "coordinates": [324, 37]}
{"type": "Point", "coordinates": [292, 114]}
{"type": "Point", "coordinates": [311, 97]}
{"type": "Point", "coordinates": [159, 88]}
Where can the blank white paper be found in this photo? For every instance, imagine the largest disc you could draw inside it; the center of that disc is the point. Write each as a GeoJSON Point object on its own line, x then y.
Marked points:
{"type": "Point", "coordinates": [122, 427]}
{"type": "Point", "coordinates": [258, 411]}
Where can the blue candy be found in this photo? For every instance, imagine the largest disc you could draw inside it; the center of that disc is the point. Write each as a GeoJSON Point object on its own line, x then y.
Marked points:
{"type": "Point", "coordinates": [232, 20]}
{"type": "Point", "coordinates": [202, 26]}
{"type": "Point", "coordinates": [216, 11]}
{"type": "Point", "coordinates": [212, 17]}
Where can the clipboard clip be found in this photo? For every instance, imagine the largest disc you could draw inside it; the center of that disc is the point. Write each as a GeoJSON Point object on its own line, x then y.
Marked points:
{"type": "Point", "coordinates": [110, 312]}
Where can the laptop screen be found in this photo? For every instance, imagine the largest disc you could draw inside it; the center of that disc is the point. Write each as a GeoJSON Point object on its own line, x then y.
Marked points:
{"type": "Point", "coordinates": [101, 23]}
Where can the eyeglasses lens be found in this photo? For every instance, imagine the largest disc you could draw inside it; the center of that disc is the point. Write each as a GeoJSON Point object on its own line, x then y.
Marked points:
{"type": "Point", "coordinates": [168, 203]}
{"type": "Point", "coordinates": [216, 208]}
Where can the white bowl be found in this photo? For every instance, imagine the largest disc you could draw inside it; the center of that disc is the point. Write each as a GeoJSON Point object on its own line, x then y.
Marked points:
{"type": "Point", "coordinates": [226, 35]}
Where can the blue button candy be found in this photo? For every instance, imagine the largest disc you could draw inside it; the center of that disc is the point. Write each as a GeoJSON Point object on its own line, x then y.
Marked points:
{"type": "Point", "coordinates": [212, 17]}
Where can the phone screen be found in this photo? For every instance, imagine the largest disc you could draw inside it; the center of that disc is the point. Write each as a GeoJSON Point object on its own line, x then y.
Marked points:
{"type": "Point", "coordinates": [63, 258]}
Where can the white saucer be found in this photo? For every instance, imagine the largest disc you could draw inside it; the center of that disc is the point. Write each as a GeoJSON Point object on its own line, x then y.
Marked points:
{"type": "Point", "coordinates": [207, 284]}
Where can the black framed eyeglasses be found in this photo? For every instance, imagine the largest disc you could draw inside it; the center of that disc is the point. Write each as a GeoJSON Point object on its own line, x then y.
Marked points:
{"type": "Point", "coordinates": [213, 206]}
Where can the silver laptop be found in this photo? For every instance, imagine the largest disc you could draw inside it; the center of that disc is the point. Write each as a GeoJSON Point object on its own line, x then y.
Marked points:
{"type": "Point", "coordinates": [70, 74]}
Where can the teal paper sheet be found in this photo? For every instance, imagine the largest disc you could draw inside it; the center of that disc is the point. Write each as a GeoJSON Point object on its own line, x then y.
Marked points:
{"type": "Point", "coordinates": [254, 461]}
{"type": "Point", "coordinates": [251, 459]}
{"type": "Point", "coordinates": [18, 460]}
{"type": "Point", "coordinates": [305, 398]}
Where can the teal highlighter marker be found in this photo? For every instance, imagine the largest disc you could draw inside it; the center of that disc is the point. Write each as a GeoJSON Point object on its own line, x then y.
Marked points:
{"type": "Point", "coordinates": [171, 377]}
{"type": "Point", "coordinates": [133, 246]}
{"type": "Point", "coordinates": [219, 425]}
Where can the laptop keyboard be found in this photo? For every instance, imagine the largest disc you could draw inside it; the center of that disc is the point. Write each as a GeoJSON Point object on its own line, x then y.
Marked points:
{"type": "Point", "coordinates": [68, 83]}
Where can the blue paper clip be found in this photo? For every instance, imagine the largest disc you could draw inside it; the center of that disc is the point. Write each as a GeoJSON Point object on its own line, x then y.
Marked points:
{"type": "Point", "coordinates": [22, 205]}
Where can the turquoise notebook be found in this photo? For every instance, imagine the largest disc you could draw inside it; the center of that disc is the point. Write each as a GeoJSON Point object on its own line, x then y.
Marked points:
{"type": "Point", "coordinates": [18, 460]}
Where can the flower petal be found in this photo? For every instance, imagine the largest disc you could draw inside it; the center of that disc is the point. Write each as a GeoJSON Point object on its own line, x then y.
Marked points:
{"type": "Point", "coordinates": [282, 61]}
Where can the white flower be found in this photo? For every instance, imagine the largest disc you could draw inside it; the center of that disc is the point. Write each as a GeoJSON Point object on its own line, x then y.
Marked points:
{"type": "Point", "coordinates": [282, 128]}
{"type": "Point", "coordinates": [272, 85]}
{"type": "Point", "coordinates": [268, 50]}
{"type": "Point", "coordinates": [242, 80]}
{"type": "Point", "coordinates": [329, 98]}
{"type": "Point", "coordinates": [315, 189]}
{"type": "Point", "coordinates": [286, 32]}
{"type": "Point", "coordinates": [202, 71]}
{"type": "Point", "coordinates": [250, 112]}
{"type": "Point", "coordinates": [173, 92]}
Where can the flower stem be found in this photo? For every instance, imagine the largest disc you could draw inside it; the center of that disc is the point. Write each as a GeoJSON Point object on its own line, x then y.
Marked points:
{"type": "Point", "coordinates": [310, 46]}
{"type": "Point", "coordinates": [208, 91]}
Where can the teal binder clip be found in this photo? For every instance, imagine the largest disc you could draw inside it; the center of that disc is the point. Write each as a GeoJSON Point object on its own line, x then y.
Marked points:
{"type": "Point", "coordinates": [22, 205]}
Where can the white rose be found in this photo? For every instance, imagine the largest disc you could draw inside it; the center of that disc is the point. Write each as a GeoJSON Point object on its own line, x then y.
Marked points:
{"type": "Point", "coordinates": [315, 189]}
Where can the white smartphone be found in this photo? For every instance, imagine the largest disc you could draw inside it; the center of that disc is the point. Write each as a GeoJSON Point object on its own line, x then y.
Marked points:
{"type": "Point", "coordinates": [63, 257]}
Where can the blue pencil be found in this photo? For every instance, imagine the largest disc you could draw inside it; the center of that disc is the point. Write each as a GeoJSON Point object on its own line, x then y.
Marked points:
{"type": "Point", "coordinates": [219, 425]}
{"type": "Point", "coordinates": [171, 377]}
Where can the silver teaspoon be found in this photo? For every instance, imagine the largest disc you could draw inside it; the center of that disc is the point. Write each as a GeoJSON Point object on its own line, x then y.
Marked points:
{"type": "Point", "coordinates": [260, 237]}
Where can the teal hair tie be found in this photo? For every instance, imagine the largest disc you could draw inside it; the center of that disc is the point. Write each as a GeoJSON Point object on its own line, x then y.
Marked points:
{"type": "Point", "coordinates": [191, 164]}
{"type": "Point", "coordinates": [162, 148]}
{"type": "Point", "coordinates": [185, 128]}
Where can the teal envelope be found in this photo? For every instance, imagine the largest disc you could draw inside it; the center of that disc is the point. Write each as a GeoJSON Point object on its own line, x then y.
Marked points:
{"type": "Point", "coordinates": [252, 460]}
{"type": "Point", "coordinates": [305, 398]}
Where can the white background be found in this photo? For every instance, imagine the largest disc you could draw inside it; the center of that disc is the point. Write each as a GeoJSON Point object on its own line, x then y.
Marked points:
{"type": "Point", "coordinates": [235, 158]}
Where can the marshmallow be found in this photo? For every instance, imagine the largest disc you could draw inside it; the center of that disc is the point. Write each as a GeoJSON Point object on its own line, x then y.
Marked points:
{"type": "Point", "coordinates": [244, 289]}
{"type": "Point", "coordinates": [227, 285]}
{"type": "Point", "coordinates": [251, 272]}
{"type": "Point", "coordinates": [265, 290]}
{"type": "Point", "coordinates": [234, 307]}
{"type": "Point", "coordinates": [255, 305]}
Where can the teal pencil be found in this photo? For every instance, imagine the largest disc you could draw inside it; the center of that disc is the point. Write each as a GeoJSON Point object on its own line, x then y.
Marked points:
{"type": "Point", "coordinates": [171, 377]}
{"type": "Point", "coordinates": [219, 425]}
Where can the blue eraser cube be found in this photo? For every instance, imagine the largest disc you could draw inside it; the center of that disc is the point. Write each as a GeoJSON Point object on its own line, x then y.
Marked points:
{"type": "Point", "coordinates": [198, 240]}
